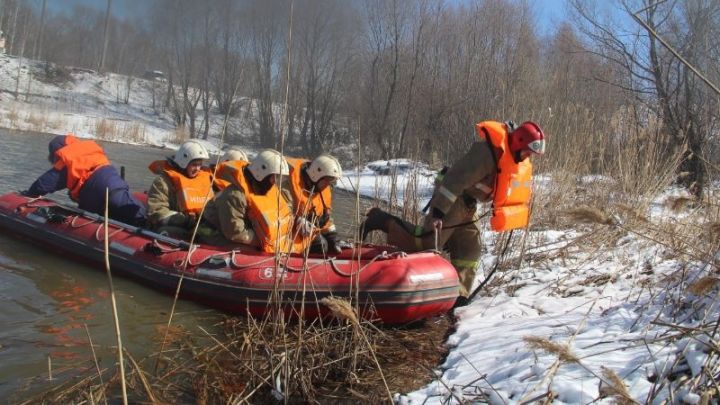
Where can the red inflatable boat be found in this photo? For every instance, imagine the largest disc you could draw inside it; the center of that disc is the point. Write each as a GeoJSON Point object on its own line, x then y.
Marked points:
{"type": "Point", "coordinates": [385, 284]}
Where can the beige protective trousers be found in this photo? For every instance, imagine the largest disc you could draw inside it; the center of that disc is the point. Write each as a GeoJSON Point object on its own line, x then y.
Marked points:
{"type": "Point", "coordinates": [460, 237]}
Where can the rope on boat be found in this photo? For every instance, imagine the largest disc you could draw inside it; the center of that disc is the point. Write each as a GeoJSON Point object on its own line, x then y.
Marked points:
{"type": "Point", "coordinates": [284, 262]}
{"type": "Point", "coordinates": [234, 253]}
{"type": "Point", "coordinates": [383, 255]}
{"type": "Point", "coordinates": [179, 264]}
{"type": "Point", "coordinates": [163, 249]}
{"type": "Point", "coordinates": [101, 226]}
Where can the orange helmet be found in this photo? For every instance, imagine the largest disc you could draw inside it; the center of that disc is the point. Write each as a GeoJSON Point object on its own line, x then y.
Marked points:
{"type": "Point", "coordinates": [530, 136]}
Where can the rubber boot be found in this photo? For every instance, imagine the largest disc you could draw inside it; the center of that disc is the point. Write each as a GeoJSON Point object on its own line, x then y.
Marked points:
{"type": "Point", "coordinates": [376, 220]}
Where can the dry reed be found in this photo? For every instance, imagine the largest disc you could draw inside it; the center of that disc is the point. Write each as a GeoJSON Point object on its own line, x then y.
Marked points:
{"type": "Point", "coordinates": [590, 215]}
{"type": "Point", "coordinates": [562, 351]}
{"type": "Point", "coordinates": [703, 286]}
{"type": "Point", "coordinates": [613, 386]}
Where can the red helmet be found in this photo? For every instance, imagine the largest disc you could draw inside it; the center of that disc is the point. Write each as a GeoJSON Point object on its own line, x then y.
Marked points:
{"type": "Point", "coordinates": [528, 135]}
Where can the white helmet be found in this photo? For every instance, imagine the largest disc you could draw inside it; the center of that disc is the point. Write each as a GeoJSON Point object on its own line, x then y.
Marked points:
{"type": "Point", "coordinates": [189, 151]}
{"type": "Point", "coordinates": [268, 162]}
{"type": "Point", "coordinates": [324, 166]}
{"type": "Point", "coordinates": [234, 153]}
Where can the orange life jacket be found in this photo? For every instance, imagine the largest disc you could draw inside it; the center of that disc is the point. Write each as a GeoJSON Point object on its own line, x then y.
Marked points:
{"type": "Point", "coordinates": [307, 206]}
{"type": "Point", "coordinates": [270, 215]}
{"type": "Point", "coordinates": [192, 194]}
{"type": "Point", "coordinates": [513, 183]}
{"type": "Point", "coordinates": [81, 158]}
{"type": "Point", "coordinates": [224, 174]}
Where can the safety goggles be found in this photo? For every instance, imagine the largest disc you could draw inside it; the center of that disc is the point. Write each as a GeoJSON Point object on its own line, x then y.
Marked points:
{"type": "Point", "coordinates": [537, 146]}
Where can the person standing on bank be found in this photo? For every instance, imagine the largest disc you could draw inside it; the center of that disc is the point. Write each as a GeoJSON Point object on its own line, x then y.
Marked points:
{"type": "Point", "coordinates": [310, 184]}
{"type": "Point", "coordinates": [179, 192]}
{"type": "Point", "coordinates": [82, 167]}
{"type": "Point", "coordinates": [497, 169]}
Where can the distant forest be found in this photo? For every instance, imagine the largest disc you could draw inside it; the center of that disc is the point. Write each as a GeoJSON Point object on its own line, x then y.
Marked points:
{"type": "Point", "coordinates": [410, 78]}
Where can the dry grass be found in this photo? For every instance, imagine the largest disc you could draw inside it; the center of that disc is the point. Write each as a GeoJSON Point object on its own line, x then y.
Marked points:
{"type": "Point", "coordinates": [135, 133]}
{"type": "Point", "coordinates": [105, 130]}
{"type": "Point", "coordinates": [613, 386]}
{"type": "Point", "coordinates": [245, 360]}
{"type": "Point", "coordinates": [13, 117]}
{"type": "Point", "coordinates": [127, 131]}
{"type": "Point", "coordinates": [677, 204]}
{"type": "Point", "coordinates": [703, 285]}
{"type": "Point", "coordinates": [179, 135]}
{"type": "Point", "coordinates": [590, 215]}
{"type": "Point", "coordinates": [37, 121]}
{"type": "Point", "coordinates": [562, 351]}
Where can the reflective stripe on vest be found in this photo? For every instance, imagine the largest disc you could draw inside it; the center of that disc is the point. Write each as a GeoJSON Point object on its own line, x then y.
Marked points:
{"type": "Point", "coordinates": [513, 184]}
{"type": "Point", "coordinates": [447, 194]}
{"type": "Point", "coordinates": [81, 158]}
{"type": "Point", "coordinates": [270, 215]}
{"type": "Point", "coordinates": [464, 264]}
{"type": "Point", "coordinates": [192, 194]}
{"type": "Point", "coordinates": [307, 206]}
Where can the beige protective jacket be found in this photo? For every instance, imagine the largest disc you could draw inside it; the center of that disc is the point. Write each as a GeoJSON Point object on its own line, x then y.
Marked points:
{"type": "Point", "coordinates": [471, 176]}
{"type": "Point", "coordinates": [228, 212]}
{"type": "Point", "coordinates": [163, 209]}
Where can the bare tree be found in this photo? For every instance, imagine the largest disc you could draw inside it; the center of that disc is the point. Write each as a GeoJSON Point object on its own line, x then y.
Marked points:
{"type": "Point", "coordinates": [267, 21]}
{"type": "Point", "coordinates": [182, 36]}
{"type": "Point", "coordinates": [324, 40]}
{"type": "Point", "coordinates": [385, 27]}
{"type": "Point", "coordinates": [657, 78]}
{"type": "Point", "coordinates": [230, 64]}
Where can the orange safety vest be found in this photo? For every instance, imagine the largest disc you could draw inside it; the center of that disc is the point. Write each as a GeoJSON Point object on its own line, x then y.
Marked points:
{"type": "Point", "coordinates": [192, 194]}
{"type": "Point", "coordinates": [513, 183]}
{"type": "Point", "coordinates": [272, 222]}
{"type": "Point", "coordinates": [81, 158]}
{"type": "Point", "coordinates": [317, 205]}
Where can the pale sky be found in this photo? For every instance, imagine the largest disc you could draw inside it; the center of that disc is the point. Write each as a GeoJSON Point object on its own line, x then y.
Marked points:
{"type": "Point", "coordinates": [550, 11]}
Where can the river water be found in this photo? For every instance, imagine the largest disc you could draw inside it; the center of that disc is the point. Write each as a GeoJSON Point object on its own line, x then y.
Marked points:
{"type": "Point", "coordinates": [50, 304]}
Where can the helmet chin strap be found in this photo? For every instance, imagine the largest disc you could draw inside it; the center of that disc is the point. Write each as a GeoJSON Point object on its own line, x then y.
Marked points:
{"type": "Point", "coordinates": [516, 156]}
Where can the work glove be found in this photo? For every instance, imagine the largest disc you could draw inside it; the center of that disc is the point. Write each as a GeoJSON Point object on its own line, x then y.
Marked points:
{"type": "Point", "coordinates": [191, 219]}
{"type": "Point", "coordinates": [303, 226]}
{"type": "Point", "coordinates": [437, 216]}
{"type": "Point", "coordinates": [332, 243]}
{"type": "Point", "coordinates": [323, 219]}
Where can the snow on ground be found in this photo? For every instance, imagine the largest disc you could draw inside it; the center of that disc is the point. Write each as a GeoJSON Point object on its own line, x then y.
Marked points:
{"type": "Point", "coordinates": [89, 105]}
{"type": "Point", "coordinates": [605, 304]}
{"type": "Point", "coordinates": [600, 304]}
{"type": "Point", "coordinates": [395, 181]}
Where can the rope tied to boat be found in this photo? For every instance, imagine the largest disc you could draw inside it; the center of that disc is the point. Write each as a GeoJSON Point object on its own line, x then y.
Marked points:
{"type": "Point", "coordinates": [180, 263]}
{"type": "Point", "coordinates": [384, 255]}
{"type": "Point", "coordinates": [234, 253]}
{"type": "Point", "coordinates": [101, 226]}
{"type": "Point", "coordinates": [158, 249]}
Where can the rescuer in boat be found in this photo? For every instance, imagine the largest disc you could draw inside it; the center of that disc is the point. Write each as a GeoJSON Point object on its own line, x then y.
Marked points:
{"type": "Point", "coordinates": [310, 184]}
{"type": "Point", "coordinates": [82, 167]}
{"type": "Point", "coordinates": [179, 192]}
{"type": "Point", "coordinates": [234, 154]}
{"type": "Point", "coordinates": [252, 210]}
{"type": "Point", "coordinates": [496, 168]}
